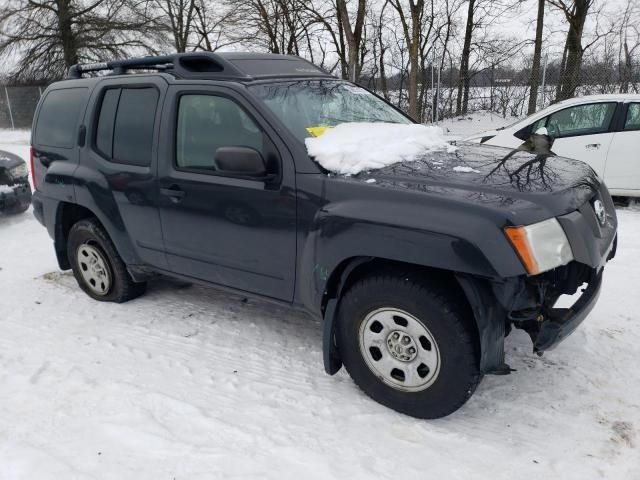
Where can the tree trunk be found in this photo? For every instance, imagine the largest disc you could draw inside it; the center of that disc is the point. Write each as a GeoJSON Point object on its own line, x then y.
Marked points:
{"type": "Point", "coordinates": [534, 82]}
{"type": "Point", "coordinates": [573, 62]}
{"type": "Point", "coordinates": [353, 36]}
{"type": "Point", "coordinates": [463, 80]}
{"type": "Point", "coordinates": [68, 40]}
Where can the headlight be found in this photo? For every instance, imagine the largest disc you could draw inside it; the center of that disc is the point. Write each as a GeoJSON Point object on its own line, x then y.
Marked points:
{"type": "Point", "coordinates": [19, 171]}
{"type": "Point", "coordinates": [541, 246]}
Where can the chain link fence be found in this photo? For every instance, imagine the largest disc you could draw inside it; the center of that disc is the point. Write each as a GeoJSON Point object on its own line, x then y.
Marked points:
{"type": "Point", "coordinates": [17, 105]}
{"type": "Point", "coordinates": [505, 90]}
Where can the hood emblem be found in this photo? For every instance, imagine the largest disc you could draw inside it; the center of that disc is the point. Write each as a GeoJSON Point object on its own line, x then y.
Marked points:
{"type": "Point", "coordinates": [601, 213]}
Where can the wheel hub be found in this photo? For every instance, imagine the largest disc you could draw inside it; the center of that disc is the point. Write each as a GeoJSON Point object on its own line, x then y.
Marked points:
{"type": "Point", "coordinates": [94, 269]}
{"type": "Point", "coordinates": [401, 346]}
{"type": "Point", "coordinates": [399, 349]}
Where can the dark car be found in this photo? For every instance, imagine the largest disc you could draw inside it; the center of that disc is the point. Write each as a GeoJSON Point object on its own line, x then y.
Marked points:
{"type": "Point", "coordinates": [15, 191]}
{"type": "Point", "coordinates": [195, 166]}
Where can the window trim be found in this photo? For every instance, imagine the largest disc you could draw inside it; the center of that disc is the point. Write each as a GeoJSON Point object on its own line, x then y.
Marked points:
{"type": "Point", "coordinates": [96, 118]}
{"type": "Point", "coordinates": [271, 178]}
{"type": "Point", "coordinates": [81, 113]}
{"type": "Point", "coordinates": [528, 128]}
{"type": "Point", "coordinates": [626, 116]}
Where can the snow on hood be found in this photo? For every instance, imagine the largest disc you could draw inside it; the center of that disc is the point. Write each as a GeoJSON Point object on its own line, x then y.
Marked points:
{"type": "Point", "coordinates": [351, 148]}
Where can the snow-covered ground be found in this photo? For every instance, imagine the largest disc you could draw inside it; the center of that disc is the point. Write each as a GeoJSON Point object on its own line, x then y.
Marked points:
{"type": "Point", "coordinates": [461, 127]}
{"type": "Point", "coordinates": [190, 383]}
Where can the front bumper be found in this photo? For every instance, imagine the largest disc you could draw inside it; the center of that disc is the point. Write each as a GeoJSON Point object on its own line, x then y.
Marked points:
{"type": "Point", "coordinates": [561, 322]}
{"type": "Point", "coordinates": [17, 195]}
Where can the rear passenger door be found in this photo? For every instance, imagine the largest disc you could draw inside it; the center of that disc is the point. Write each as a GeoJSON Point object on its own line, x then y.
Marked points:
{"type": "Point", "coordinates": [583, 132]}
{"type": "Point", "coordinates": [221, 227]}
{"type": "Point", "coordinates": [119, 163]}
{"type": "Point", "coordinates": [623, 162]}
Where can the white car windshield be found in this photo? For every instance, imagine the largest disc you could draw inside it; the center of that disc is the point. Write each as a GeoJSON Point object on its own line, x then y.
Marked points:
{"type": "Point", "coordinates": [307, 107]}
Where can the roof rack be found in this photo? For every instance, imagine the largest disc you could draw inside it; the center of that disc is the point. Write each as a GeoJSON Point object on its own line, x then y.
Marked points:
{"type": "Point", "coordinates": [193, 65]}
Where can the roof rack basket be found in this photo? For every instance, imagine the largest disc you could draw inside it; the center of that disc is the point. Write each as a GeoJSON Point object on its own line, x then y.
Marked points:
{"type": "Point", "coordinates": [184, 65]}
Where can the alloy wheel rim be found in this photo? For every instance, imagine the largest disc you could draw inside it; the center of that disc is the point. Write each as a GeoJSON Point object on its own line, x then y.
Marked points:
{"type": "Point", "coordinates": [94, 269]}
{"type": "Point", "coordinates": [399, 349]}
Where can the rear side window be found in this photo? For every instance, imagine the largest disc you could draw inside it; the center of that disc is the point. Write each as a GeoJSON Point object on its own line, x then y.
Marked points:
{"type": "Point", "coordinates": [633, 117]}
{"type": "Point", "coordinates": [124, 131]}
{"type": "Point", "coordinates": [57, 123]}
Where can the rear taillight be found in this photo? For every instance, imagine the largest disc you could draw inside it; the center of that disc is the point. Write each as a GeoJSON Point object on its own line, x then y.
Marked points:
{"type": "Point", "coordinates": [33, 167]}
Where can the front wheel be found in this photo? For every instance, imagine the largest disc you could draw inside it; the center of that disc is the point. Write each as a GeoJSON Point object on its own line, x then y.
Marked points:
{"type": "Point", "coordinates": [409, 344]}
{"type": "Point", "coordinates": [97, 266]}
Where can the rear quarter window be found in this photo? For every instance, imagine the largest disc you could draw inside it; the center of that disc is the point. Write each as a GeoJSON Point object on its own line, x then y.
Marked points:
{"type": "Point", "coordinates": [59, 116]}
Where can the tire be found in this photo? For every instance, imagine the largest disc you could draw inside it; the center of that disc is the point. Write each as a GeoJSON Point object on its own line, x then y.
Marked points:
{"type": "Point", "coordinates": [445, 370]}
{"type": "Point", "coordinates": [96, 265]}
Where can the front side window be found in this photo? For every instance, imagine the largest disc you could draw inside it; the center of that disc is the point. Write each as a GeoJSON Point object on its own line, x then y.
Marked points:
{"type": "Point", "coordinates": [308, 106]}
{"type": "Point", "coordinates": [124, 130]}
{"type": "Point", "coordinates": [587, 119]}
{"type": "Point", "coordinates": [57, 124]}
{"type": "Point", "coordinates": [208, 122]}
{"type": "Point", "coordinates": [633, 117]}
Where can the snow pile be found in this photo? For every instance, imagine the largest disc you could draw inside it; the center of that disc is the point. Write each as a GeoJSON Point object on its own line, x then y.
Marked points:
{"type": "Point", "coordinates": [351, 148]}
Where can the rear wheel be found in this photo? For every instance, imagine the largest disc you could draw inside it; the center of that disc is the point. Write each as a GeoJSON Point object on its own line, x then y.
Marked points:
{"type": "Point", "coordinates": [409, 344]}
{"type": "Point", "coordinates": [96, 265]}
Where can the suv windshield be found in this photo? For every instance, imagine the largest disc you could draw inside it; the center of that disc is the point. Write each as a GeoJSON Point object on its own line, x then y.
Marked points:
{"type": "Point", "coordinates": [308, 106]}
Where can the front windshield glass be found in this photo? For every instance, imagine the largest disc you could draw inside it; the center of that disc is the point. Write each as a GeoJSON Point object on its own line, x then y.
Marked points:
{"type": "Point", "coordinates": [307, 107]}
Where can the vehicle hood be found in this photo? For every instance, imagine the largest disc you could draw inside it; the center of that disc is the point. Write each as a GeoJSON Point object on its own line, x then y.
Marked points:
{"type": "Point", "coordinates": [544, 185]}
{"type": "Point", "coordinates": [477, 137]}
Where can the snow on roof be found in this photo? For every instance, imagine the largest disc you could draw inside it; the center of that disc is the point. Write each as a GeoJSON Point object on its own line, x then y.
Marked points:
{"type": "Point", "coordinates": [351, 148]}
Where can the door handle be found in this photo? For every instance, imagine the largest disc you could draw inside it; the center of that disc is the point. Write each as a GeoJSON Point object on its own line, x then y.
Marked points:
{"type": "Point", "coordinates": [174, 192]}
{"type": "Point", "coordinates": [592, 146]}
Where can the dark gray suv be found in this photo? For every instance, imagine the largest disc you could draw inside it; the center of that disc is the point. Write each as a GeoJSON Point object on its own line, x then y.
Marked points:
{"type": "Point", "coordinates": [195, 166]}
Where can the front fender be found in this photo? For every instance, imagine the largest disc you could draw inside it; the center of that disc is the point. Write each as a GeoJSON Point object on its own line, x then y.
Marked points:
{"type": "Point", "coordinates": [454, 241]}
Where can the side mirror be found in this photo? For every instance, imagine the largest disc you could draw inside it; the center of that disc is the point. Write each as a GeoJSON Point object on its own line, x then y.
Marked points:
{"type": "Point", "coordinates": [539, 142]}
{"type": "Point", "coordinates": [243, 161]}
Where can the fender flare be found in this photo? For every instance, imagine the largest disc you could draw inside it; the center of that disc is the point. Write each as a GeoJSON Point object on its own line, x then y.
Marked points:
{"type": "Point", "coordinates": [488, 314]}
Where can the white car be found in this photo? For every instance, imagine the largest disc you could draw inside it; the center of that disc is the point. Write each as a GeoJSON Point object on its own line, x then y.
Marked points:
{"type": "Point", "coordinates": [601, 130]}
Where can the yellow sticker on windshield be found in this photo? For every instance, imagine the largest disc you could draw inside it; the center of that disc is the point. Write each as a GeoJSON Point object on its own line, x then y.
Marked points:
{"type": "Point", "coordinates": [317, 131]}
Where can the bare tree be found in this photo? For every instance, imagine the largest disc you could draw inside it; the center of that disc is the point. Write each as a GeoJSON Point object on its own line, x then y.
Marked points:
{"type": "Point", "coordinates": [48, 36]}
{"type": "Point", "coordinates": [353, 32]}
{"type": "Point", "coordinates": [211, 22]}
{"type": "Point", "coordinates": [463, 82]}
{"type": "Point", "coordinates": [178, 17]}
{"type": "Point", "coordinates": [629, 43]}
{"type": "Point", "coordinates": [575, 13]}
{"type": "Point", "coordinates": [279, 26]}
{"type": "Point", "coordinates": [534, 82]}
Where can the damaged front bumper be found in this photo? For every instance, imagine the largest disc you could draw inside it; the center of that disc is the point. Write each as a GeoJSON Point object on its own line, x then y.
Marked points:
{"type": "Point", "coordinates": [16, 196]}
{"type": "Point", "coordinates": [561, 322]}
{"type": "Point", "coordinates": [528, 302]}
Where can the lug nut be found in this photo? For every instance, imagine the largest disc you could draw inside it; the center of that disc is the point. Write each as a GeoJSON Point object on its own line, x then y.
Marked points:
{"type": "Point", "coordinates": [412, 350]}
{"type": "Point", "coordinates": [406, 340]}
{"type": "Point", "coordinates": [396, 336]}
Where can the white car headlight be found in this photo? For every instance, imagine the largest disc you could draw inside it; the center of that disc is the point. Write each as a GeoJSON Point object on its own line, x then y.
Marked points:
{"type": "Point", "coordinates": [19, 171]}
{"type": "Point", "coordinates": [541, 246]}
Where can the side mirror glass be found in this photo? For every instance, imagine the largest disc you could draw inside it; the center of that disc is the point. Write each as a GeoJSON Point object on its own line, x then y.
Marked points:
{"type": "Point", "coordinates": [243, 161]}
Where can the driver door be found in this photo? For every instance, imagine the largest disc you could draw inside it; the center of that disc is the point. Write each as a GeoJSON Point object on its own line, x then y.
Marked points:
{"type": "Point", "coordinates": [225, 228]}
{"type": "Point", "coordinates": [582, 132]}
